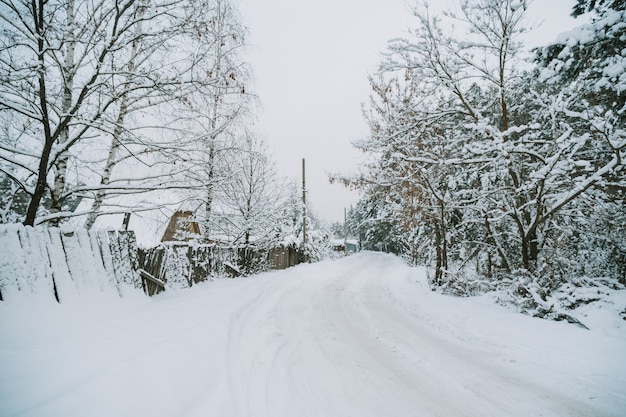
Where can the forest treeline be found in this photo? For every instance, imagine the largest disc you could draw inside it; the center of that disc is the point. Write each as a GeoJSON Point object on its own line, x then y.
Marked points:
{"type": "Point", "coordinates": [491, 161]}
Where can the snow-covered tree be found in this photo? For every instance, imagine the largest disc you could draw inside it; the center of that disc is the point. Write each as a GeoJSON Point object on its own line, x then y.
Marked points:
{"type": "Point", "coordinates": [217, 114]}
{"type": "Point", "coordinates": [249, 203]}
{"type": "Point", "coordinates": [91, 97]}
{"type": "Point", "coordinates": [476, 154]}
{"type": "Point", "coordinates": [584, 77]}
{"type": "Point", "coordinates": [444, 116]}
{"type": "Point", "coordinates": [375, 226]}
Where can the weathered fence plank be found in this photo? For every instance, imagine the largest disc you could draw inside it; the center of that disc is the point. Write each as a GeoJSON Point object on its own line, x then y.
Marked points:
{"type": "Point", "coordinates": [128, 251]}
{"type": "Point", "coordinates": [63, 283]}
{"type": "Point", "coordinates": [12, 267]}
{"type": "Point", "coordinates": [75, 257]}
{"type": "Point", "coordinates": [106, 255]}
{"type": "Point", "coordinates": [177, 269]}
{"type": "Point", "coordinates": [108, 281]}
{"type": "Point", "coordinates": [152, 284]}
{"type": "Point", "coordinates": [39, 269]}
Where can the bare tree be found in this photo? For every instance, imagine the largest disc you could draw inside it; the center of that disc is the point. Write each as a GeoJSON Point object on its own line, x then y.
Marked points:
{"type": "Point", "coordinates": [222, 109]}
{"type": "Point", "coordinates": [250, 202]}
{"type": "Point", "coordinates": [74, 73]}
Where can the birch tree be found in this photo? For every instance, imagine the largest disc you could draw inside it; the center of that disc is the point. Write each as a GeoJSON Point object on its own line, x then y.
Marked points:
{"type": "Point", "coordinates": [220, 112]}
{"type": "Point", "coordinates": [76, 74]}
{"type": "Point", "coordinates": [55, 66]}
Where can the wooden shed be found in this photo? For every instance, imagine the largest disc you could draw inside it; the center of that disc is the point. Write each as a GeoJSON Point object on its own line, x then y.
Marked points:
{"type": "Point", "coordinates": [182, 227]}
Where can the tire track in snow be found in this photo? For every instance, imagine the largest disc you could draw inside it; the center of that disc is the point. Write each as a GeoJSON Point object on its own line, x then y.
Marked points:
{"type": "Point", "coordinates": [420, 358]}
{"type": "Point", "coordinates": [342, 343]}
{"type": "Point", "coordinates": [333, 339]}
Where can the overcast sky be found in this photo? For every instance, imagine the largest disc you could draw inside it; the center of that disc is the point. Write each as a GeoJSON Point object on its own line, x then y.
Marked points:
{"type": "Point", "coordinates": [311, 59]}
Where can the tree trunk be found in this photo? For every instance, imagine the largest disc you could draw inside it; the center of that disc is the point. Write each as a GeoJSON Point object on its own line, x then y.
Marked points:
{"type": "Point", "coordinates": [444, 237]}
{"type": "Point", "coordinates": [56, 205]}
{"type": "Point", "coordinates": [439, 256]}
{"type": "Point", "coordinates": [494, 241]}
{"type": "Point", "coordinates": [106, 177]}
{"type": "Point", "coordinates": [119, 126]}
{"type": "Point", "coordinates": [209, 197]}
{"type": "Point", "coordinates": [42, 172]}
{"type": "Point", "coordinates": [530, 250]}
{"type": "Point", "coordinates": [214, 115]}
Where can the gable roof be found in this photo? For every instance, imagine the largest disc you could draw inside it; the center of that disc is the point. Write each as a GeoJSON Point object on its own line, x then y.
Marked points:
{"type": "Point", "coordinates": [181, 228]}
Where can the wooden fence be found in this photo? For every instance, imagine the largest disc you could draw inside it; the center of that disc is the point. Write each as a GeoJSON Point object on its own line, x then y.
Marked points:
{"type": "Point", "coordinates": [282, 257]}
{"type": "Point", "coordinates": [181, 265]}
{"type": "Point", "coordinates": [63, 264]}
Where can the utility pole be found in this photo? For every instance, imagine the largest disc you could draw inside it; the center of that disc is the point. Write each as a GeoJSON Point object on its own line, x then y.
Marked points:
{"type": "Point", "coordinates": [345, 232]}
{"type": "Point", "coordinates": [304, 237]}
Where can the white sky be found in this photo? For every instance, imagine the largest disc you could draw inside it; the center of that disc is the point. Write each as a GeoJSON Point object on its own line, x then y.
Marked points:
{"type": "Point", "coordinates": [311, 60]}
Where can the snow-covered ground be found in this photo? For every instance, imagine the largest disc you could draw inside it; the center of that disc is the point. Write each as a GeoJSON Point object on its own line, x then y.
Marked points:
{"type": "Point", "coordinates": [360, 336]}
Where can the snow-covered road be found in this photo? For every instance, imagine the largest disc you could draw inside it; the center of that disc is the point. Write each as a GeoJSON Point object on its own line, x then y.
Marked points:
{"type": "Point", "coordinates": [361, 336]}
